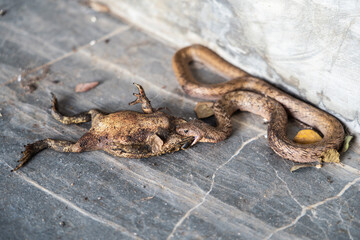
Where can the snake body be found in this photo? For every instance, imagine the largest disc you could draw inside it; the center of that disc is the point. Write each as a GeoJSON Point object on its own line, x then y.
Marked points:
{"type": "Point", "coordinates": [331, 129]}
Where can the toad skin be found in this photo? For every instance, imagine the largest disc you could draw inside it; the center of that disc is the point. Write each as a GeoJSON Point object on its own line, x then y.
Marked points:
{"type": "Point", "coordinates": [124, 134]}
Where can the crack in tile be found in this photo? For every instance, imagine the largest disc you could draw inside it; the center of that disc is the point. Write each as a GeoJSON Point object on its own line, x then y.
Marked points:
{"type": "Point", "coordinates": [343, 222]}
{"type": "Point", "coordinates": [313, 206]}
{"type": "Point", "coordinates": [350, 236]}
{"type": "Point", "coordinates": [283, 181]}
{"type": "Point", "coordinates": [314, 215]}
{"type": "Point", "coordinates": [343, 37]}
{"type": "Point", "coordinates": [287, 187]}
{"type": "Point", "coordinates": [188, 213]}
{"type": "Point", "coordinates": [73, 206]}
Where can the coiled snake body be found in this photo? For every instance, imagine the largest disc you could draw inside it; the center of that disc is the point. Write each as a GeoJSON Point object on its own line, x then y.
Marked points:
{"type": "Point", "coordinates": [248, 93]}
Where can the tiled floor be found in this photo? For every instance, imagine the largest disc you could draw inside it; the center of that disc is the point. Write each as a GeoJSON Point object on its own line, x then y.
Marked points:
{"type": "Point", "coordinates": [234, 189]}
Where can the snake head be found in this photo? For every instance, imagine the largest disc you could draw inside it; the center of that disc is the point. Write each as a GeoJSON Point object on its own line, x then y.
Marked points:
{"type": "Point", "coordinates": [190, 129]}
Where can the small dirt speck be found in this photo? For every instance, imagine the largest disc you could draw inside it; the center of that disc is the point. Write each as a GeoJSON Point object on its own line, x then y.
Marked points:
{"type": "Point", "coordinates": [329, 179]}
{"type": "Point", "coordinates": [3, 12]}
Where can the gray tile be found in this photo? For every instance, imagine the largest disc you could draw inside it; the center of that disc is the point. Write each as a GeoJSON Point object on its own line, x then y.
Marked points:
{"type": "Point", "coordinates": [234, 189]}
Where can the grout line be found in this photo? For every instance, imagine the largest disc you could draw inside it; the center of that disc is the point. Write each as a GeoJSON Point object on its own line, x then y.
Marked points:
{"type": "Point", "coordinates": [68, 203]}
{"type": "Point", "coordinates": [111, 65]}
{"type": "Point", "coordinates": [68, 54]}
{"type": "Point", "coordinates": [348, 168]}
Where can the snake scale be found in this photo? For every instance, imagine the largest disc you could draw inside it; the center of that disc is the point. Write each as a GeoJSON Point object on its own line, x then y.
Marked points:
{"type": "Point", "coordinates": [248, 93]}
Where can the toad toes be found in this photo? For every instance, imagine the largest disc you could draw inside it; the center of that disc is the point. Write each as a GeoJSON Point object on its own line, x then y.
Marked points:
{"type": "Point", "coordinates": [124, 134]}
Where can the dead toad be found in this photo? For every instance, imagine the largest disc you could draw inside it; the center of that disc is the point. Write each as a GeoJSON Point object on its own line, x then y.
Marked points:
{"type": "Point", "coordinates": [124, 134]}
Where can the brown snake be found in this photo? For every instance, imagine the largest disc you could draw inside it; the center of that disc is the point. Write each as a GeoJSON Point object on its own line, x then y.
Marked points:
{"type": "Point", "coordinates": [261, 102]}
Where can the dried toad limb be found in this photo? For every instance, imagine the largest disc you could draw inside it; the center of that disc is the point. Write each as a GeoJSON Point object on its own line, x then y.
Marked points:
{"type": "Point", "coordinates": [124, 134]}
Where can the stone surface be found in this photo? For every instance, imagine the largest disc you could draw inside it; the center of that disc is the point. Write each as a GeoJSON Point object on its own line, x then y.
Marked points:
{"type": "Point", "coordinates": [310, 48]}
{"type": "Point", "coordinates": [236, 189]}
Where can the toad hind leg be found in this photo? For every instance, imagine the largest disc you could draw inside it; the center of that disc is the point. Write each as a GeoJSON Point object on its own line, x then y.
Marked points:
{"type": "Point", "coordinates": [141, 98]}
{"type": "Point", "coordinates": [57, 145]}
{"type": "Point", "coordinates": [174, 143]}
{"type": "Point", "coordinates": [154, 145]}
{"type": "Point", "coordinates": [79, 118]}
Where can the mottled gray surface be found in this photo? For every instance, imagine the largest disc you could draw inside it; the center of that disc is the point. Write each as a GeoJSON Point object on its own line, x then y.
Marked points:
{"type": "Point", "coordinates": [236, 189]}
{"type": "Point", "coordinates": [310, 47]}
